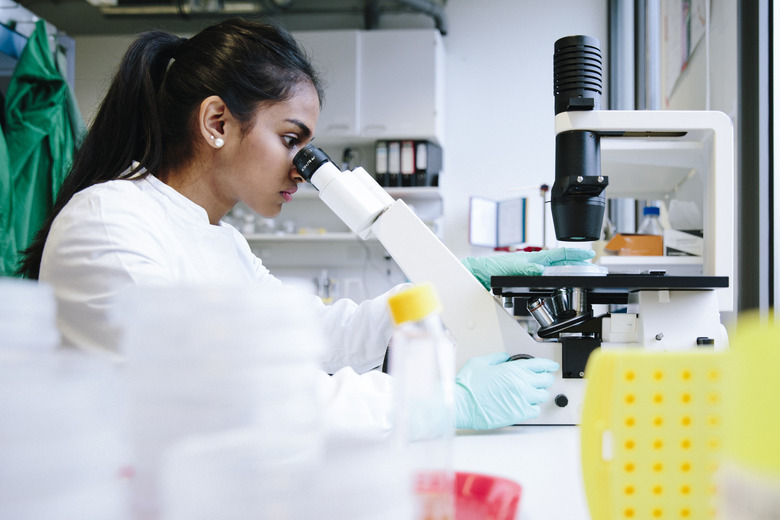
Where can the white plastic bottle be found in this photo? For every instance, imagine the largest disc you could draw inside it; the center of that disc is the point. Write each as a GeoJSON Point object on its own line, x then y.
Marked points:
{"type": "Point", "coordinates": [422, 362]}
{"type": "Point", "coordinates": [651, 222]}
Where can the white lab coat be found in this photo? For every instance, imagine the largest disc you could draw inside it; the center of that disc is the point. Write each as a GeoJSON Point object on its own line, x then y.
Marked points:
{"type": "Point", "coordinates": [141, 232]}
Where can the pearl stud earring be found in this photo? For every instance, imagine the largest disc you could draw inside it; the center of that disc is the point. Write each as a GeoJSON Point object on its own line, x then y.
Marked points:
{"type": "Point", "coordinates": [218, 142]}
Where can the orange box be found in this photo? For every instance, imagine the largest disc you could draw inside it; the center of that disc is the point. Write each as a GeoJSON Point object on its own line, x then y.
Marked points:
{"type": "Point", "coordinates": [636, 245]}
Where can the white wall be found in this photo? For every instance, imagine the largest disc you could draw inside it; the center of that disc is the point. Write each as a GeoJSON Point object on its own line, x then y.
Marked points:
{"type": "Point", "coordinates": [691, 90]}
{"type": "Point", "coordinates": [499, 111]}
{"type": "Point", "coordinates": [499, 108]}
{"type": "Point", "coordinates": [97, 58]}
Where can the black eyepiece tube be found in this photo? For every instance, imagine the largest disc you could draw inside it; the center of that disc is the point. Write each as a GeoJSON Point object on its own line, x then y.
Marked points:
{"type": "Point", "coordinates": [577, 196]}
{"type": "Point", "coordinates": [308, 160]}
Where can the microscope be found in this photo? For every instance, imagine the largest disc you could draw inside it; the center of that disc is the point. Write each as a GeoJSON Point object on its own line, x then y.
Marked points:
{"type": "Point", "coordinates": [653, 154]}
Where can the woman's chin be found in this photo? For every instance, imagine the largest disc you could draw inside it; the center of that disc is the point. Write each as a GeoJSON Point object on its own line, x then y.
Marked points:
{"type": "Point", "coordinates": [269, 212]}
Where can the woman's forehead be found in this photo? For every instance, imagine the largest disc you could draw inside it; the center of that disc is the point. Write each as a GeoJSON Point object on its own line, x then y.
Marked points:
{"type": "Point", "coordinates": [303, 106]}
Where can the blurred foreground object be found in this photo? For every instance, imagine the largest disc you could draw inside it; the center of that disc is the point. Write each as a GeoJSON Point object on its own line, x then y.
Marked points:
{"type": "Point", "coordinates": [422, 363]}
{"type": "Point", "coordinates": [485, 496]}
{"type": "Point", "coordinates": [61, 449]}
{"type": "Point", "coordinates": [223, 416]}
{"type": "Point", "coordinates": [652, 431]}
{"type": "Point", "coordinates": [749, 480]}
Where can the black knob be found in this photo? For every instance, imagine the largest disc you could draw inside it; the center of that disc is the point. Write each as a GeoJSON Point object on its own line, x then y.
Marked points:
{"type": "Point", "coordinates": [561, 400]}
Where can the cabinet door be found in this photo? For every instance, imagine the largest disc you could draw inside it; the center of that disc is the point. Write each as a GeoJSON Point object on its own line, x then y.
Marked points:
{"type": "Point", "coordinates": [401, 87]}
{"type": "Point", "coordinates": [334, 55]}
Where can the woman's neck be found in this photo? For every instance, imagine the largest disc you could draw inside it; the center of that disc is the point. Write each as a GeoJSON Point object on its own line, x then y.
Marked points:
{"type": "Point", "coordinates": [196, 186]}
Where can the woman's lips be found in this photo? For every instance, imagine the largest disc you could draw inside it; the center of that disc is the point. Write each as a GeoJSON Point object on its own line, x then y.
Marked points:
{"type": "Point", "coordinates": [287, 194]}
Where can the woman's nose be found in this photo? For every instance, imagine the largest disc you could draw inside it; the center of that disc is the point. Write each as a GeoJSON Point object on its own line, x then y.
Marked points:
{"type": "Point", "coordinates": [297, 177]}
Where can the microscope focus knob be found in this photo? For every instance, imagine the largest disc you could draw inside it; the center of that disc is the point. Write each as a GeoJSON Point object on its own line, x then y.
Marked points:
{"type": "Point", "coordinates": [561, 400]}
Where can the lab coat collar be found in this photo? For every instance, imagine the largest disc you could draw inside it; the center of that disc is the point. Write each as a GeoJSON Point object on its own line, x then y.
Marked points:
{"type": "Point", "coordinates": [190, 209]}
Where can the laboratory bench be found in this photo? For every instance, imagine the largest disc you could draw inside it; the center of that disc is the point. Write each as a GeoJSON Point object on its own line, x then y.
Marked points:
{"type": "Point", "coordinates": [544, 460]}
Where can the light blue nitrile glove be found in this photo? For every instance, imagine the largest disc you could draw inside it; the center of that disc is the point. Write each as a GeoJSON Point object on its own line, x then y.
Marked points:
{"type": "Point", "coordinates": [524, 263]}
{"type": "Point", "coordinates": [491, 392]}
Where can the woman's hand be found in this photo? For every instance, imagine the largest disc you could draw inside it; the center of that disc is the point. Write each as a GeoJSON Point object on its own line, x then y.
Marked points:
{"type": "Point", "coordinates": [524, 263]}
{"type": "Point", "coordinates": [491, 392]}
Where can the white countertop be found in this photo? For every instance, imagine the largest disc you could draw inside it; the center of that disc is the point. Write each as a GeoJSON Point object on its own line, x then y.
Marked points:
{"type": "Point", "coordinates": [544, 460]}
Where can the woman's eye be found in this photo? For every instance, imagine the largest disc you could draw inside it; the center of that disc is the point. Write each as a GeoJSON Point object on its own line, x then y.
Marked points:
{"type": "Point", "coordinates": [290, 140]}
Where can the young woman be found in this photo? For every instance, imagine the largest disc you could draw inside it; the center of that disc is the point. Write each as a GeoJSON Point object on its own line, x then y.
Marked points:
{"type": "Point", "coordinates": [188, 128]}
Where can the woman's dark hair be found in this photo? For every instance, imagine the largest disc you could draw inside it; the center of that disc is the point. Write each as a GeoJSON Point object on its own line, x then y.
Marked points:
{"type": "Point", "coordinates": [145, 120]}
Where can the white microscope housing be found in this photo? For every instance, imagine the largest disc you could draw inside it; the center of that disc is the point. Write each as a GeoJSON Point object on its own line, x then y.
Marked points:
{"type": "Point", "coordinates": [643, 162]}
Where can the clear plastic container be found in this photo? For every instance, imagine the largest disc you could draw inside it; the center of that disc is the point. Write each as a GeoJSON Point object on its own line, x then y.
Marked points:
{"type": "Point", "coordinates": [28, 317]}
{"type": "Point", "coordinates": [651, 222]}
{"type": "Point", "coordinates": [239, 474]}
{"type": "Point", "coordinates": [203, 362]}
{"type": "Point", "coordinates": [61, 446]}
{"type": "Point", "coordinates": [361, 478]}
{"type": "Point", "coordinates": [422, 362]}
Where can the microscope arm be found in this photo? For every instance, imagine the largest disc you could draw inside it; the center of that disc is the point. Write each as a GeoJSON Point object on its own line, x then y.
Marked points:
{"type": "Point", "coordinates": [475, 318]}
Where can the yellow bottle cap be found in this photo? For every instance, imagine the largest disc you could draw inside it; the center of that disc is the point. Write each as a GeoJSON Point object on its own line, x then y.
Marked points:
{"type": "Point", "coordinates": [414, 304]}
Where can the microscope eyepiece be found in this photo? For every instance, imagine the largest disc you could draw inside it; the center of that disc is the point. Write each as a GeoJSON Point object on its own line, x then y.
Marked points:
{"type": "Point", "coordinates": [308, 160]}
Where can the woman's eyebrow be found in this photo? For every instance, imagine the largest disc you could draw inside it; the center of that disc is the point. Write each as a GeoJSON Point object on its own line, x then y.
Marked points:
{"type": "Point", "coordinates": [305, 130]}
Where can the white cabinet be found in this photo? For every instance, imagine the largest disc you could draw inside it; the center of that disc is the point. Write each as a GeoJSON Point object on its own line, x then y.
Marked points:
{"type": "Point", "coordinates": [334, 55]}
{"type": "Point", "coordinates": [382, 84]}
{"type": "Point", "coordinates": [401, 88]}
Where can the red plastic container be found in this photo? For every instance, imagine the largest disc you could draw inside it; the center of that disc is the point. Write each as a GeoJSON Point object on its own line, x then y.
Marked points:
{"type": "Point", "coordinates": [485, 497]}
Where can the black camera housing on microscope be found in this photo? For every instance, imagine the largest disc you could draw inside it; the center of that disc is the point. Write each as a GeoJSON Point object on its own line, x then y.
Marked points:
{"type": "Point", "coordinates": [577, 196]}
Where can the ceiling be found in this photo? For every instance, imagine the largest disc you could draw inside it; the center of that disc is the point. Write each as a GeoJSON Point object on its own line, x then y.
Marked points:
{"type": "Point", "coordinates": [79, 17]}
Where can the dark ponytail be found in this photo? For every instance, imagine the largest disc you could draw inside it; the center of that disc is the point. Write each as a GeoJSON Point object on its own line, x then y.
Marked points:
{"type": "Point", "coordinates": [146, 118]}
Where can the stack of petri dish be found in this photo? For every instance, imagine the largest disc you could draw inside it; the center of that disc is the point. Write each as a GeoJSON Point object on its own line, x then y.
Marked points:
{"type": "Point", "coordinates": [61, 444]}
{"type": "Point", "coordinates": [222, 400]}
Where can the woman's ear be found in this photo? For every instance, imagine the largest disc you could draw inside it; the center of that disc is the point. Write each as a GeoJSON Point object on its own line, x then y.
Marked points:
{"type": "Point", "coordinates": [212, 116]}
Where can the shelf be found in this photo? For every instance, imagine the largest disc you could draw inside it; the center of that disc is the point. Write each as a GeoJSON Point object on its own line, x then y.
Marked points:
{"type": "Point", "coordinates": [421, 193]}
{"type": "Point", "coordinates": [342, 250]}
{"type": "Point", "coordinates": [672, 265]}
{"type": "Point", "coordinates": [341, 236]}
{"type": "Point", "coordinates": [428, 192]}
{"type": "Point", "coordinates": [316, 223]}
{"type": "Point", "coordinates": [657, 260]}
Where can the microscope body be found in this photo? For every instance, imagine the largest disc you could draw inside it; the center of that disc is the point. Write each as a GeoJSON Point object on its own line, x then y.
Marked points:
{"type": "Point", "coordinates": [645, 155]}
{"type": "Point", "coordinates": [664, 313]}
{"type": "Point", "coordinates": [661, 149]}
{"type": "Point", "coordinates": [648, 155]}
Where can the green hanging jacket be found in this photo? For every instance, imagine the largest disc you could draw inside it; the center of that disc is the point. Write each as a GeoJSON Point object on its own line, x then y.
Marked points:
{"type": "Point", "coordinates": [38, 135]}
{"type": "Point", "coordinates": [7, 236]}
